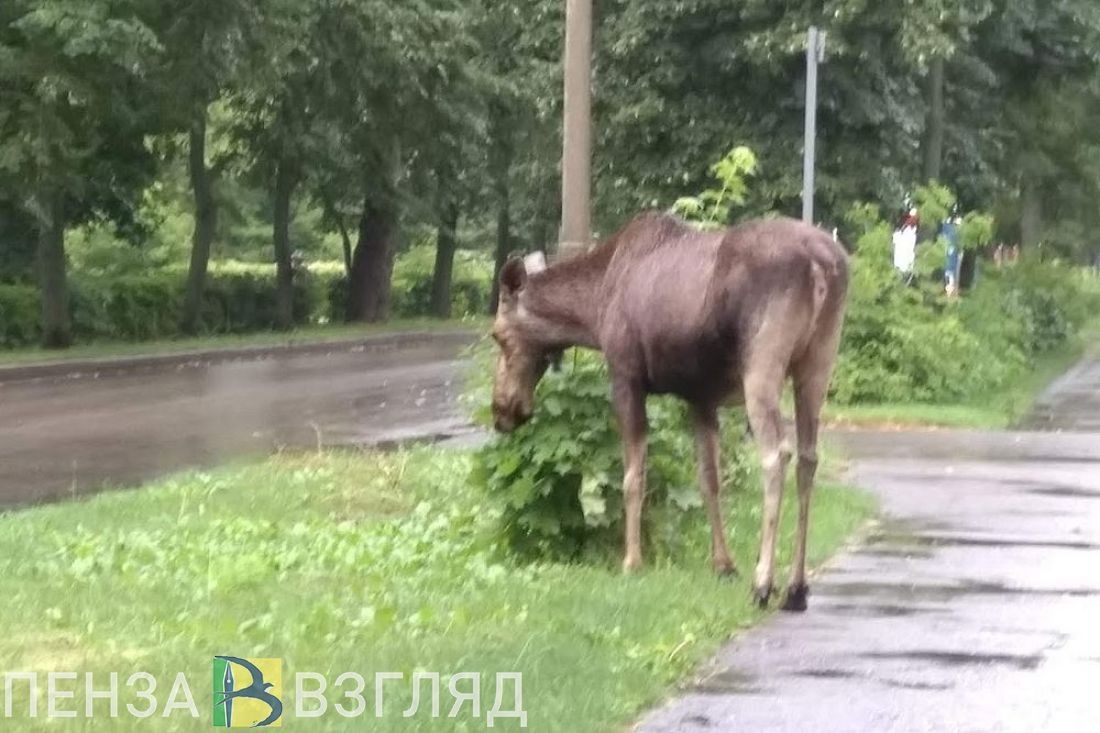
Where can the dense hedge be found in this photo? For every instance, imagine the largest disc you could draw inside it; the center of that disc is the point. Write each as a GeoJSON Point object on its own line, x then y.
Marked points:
{"type": "Point", "coordinates": [19, 309]}
{"type": "Point", "coordinates": [471, 280]}
{"type": "Point", "coordinates": [909, 343]}
{"type": "Point", "coordinates": [239, 298]}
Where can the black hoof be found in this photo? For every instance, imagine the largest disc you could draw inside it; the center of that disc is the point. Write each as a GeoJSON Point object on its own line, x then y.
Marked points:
{"type": "Point", "coordinates": [796, 599]}
{"type": "Point", "coordinates": [727, 572]}
{"type": "Point", "coordinates": [762, 596]}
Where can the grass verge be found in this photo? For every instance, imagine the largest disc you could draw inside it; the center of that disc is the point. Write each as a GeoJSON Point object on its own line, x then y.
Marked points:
{"type": "Point", "coordinates": [359, 562]}
{"type": "Point", "coordinates": [999, 410]}
{"type": "Point", "coordinates": [308, 335]}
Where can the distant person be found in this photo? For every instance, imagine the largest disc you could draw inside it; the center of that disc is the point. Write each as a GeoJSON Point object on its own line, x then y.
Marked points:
{"type": "Point", "coordinates": [950, 232]}
{"type": "Point", "coordinates": [905, 243]}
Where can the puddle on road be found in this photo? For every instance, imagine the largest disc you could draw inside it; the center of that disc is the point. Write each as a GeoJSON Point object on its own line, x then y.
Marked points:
{"type": "Point", "coordinates": [929, 686]}
{"type": "Point", "coordinates": [1066, 492]}
{"type": "Point", "coordinates": [940, 593]}
{"type": "Point", "coordinates": [728, 682]}
{"type": "Point", "coordinates": [896, 542]}
{"type": "Point", "coordinates": [1024, 662]}
{"type": "Point", "coordinates": [884, 550]}
{"type": "Point", "coordinates": [827, 674]}
{"type": "Point", "coordinates": [878, 610]}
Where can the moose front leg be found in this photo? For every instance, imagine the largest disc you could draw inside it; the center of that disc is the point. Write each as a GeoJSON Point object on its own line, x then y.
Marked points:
{"type": "Point", "coordinates": [630, 409]}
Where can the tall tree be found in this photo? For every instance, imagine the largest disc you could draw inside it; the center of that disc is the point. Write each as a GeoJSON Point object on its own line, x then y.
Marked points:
{"type": "Point", "coordinates": [385, 116]}
{"type": "Point", "coordinates": [281, 87]}
{"type": "Point", "coordinates": [521, 49]}
{"type": "Point", "coordinates": [205, 44]}
{"type": "Point", "coordinates": [72, 77]}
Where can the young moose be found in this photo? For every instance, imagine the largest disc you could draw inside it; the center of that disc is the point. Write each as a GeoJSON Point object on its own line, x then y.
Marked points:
{"type": "Point", "coordinates": [710, 317]}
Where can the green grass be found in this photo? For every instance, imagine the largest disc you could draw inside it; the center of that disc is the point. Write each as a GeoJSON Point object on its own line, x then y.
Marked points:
{"type": "Point", "coordinates": [312, 334]}
{"type": "Point", "coordinates": [998, 410]}
{"type": "Point", "coordinates": [360, 562]}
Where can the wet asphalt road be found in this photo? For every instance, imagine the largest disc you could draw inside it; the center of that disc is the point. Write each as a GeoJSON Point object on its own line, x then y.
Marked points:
{"type": "Point", "coordinates": [974, 605]}
{"type": "Point", "coordinates": [62, 436]}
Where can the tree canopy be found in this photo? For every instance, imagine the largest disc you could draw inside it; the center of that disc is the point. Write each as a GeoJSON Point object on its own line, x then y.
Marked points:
{"type": "Point", "coordinates": [350, 128]}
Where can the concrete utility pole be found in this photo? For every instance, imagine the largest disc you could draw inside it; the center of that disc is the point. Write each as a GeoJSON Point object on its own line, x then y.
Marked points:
{"type": "Point", "coordinates": [576, 168]}
{"type": "Point", "coordinates": [815, 54]}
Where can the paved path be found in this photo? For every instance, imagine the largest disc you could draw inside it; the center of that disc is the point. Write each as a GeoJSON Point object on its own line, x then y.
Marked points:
{"type": "Point", "coordinates": [973, 606]}
{"type": "Point", "coordinates": [61, 436]}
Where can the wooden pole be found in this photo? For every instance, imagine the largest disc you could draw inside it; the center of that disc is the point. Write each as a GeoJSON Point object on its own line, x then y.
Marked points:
{"type": "Point", "coordinates": [576, 194]}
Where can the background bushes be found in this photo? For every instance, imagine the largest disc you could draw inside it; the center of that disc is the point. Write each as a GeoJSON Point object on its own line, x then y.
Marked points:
{"type": "Point", "coordinates": [19, 322]}
{"type": "Point", "coordinates": [239, 298]}
{"type": "Point", "coordinates": [907, 342]}
{"type": "Point", "coordinates": [412, 282]}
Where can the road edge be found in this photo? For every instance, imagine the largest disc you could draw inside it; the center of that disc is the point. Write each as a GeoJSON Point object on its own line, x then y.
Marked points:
{"type": "Point", "coordinates": [79, 368]}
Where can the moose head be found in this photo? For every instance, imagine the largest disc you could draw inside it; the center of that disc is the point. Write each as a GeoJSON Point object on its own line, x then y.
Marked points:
{"type": "Point", "coordinates": [525, 351]}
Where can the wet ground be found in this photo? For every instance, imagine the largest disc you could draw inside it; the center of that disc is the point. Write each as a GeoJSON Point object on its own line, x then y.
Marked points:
{"type": "Point", "coordinates": [61, 436]}
{"type": "Point", "coordinates": [1070, 403]}
{"type": "Point", "coordinates": [973, 606]}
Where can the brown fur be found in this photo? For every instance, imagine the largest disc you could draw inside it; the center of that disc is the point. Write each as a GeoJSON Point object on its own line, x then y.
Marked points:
{"type": "Point", "coordinates": [708, 316]}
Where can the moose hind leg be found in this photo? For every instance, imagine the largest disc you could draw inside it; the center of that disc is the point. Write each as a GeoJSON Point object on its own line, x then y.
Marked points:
{"type": "Point", "coordinates": [706, 445]}
{"type": "Point", "coordinates": [762, 403]}
{"type": "Point", "coordinates": [809, 395]}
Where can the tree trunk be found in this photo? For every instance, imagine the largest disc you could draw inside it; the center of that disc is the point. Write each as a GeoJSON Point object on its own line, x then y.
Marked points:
{"type": "Point", "coordinates": [202, 187]}
{"type": "Point", "coordinates": [372, 261]}
{"type": "Point", "coordinates": [345, 240]}
{"type": "Point", "coordinates": [934, 122]}
{"type": "Point", "coordinates": [446, 243]}
{"type": "Point", "coordinates": [504, 240]}
{"type": "Point", "coordinates": [501, 153]}
{"type": "Point", "coordinates": [1031, 213]}
{"type": "Point", "coordinates": [284, 273]}
{"type": "Point", "coordinates": [333, 214]}
{"type": "Point", "coordinates": [56, 322]}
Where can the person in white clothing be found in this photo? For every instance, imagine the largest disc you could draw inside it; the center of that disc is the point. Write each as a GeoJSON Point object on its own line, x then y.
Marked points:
{"type": "Point", "coordinates": [905, 248]}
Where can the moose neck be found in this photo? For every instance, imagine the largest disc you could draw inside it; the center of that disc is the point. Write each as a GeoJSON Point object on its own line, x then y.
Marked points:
{"type": "Point", "coordinates": [563, 300]}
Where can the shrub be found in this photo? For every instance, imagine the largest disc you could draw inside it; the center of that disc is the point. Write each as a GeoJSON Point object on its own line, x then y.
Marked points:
{"type": "Point", "coordinates": [411, 296]}
{"type": "Point", "coordinates": [19, 315]}
{"type": "Point", "coordinates": [412, 282]}
{"type": "Point", "coordinates": [908, 343]}
{"type": "Point", "coordinates": [559, 477]}
{"type": "Point", "coordinates": [238, 298]}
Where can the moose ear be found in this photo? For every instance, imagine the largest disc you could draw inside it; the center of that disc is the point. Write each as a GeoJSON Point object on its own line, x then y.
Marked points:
{"type": "Point", "coordinates": [513, 277]}
{"type": "Point", "coordinates": [535, 262]}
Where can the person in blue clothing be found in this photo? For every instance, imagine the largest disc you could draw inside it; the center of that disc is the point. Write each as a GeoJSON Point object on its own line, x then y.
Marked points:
{"type": "Point", "coordinates": [950, 232]}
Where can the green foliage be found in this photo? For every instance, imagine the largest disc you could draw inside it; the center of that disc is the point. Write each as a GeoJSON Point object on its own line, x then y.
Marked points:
{"type": "Point", "coordinates": [239, 298]}
{"type": "Point", "coordinates": [976, 231]}
{"type": "Point", "coordinates": [398, 556]}
{"type": "Point", "coordinates": [714, 207]}
{"type": "Point", "coordinates": [455, 109]}
{"type": "Point", "coordinates": [559, 477]}
{"type": "Point", "coordinates": [19, 324]}
{"type": "Point", "coordinates": [909, 343]}
{"type": "Point", "coordinates": [934, 203]}
{"type": "Point", "coordinates": [121, 301]}
{"type": "Point", "coordinates": [412, 282]}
